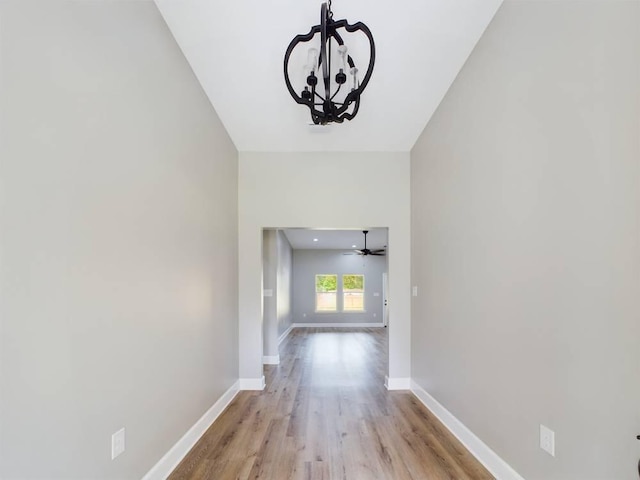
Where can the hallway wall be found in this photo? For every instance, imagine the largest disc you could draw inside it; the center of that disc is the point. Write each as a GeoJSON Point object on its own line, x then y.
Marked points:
{"type": "Point", "coordinates": [526, 240]}
{"type": "Point", "coordinates": [321, 190]}
{"type": "Point", "coordinates": [284, 286]}
{"type": "Point", "coordinates": [277, 273]}
{"type": "Point", "coordinates": [118, 211]}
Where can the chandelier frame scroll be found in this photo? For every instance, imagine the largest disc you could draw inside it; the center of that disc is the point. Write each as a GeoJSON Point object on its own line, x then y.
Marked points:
{"type": "Point", "coordinates": [322, 104]}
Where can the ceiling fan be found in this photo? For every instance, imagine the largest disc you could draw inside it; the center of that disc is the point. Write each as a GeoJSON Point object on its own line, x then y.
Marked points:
{"type": "Point", "coordinates": [365, 251]}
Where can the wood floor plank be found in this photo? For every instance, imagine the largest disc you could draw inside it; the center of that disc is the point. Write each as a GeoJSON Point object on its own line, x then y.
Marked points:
{"type": "Point", "coordinates": [325, 415]}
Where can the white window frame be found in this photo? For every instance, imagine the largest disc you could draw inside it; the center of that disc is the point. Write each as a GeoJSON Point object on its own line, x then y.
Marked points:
{"type": "Point", "coordinates": [343, 292]}
{"type": "Point", "coordinates": [315, 289]}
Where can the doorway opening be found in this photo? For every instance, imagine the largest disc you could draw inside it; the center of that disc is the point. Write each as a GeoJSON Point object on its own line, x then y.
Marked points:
{"type": "Point", "coordinates": [323, 279]}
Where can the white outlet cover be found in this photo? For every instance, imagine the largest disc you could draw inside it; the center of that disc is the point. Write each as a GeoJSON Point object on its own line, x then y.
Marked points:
{"type": "Point", "coordinates": [268, 292]}
{"type": "Point", "coordinates": [117, 443]}
{"type": "Point", "coordinates": [376, 294]}
{"type": "Point", "coordinates": [548, 440]}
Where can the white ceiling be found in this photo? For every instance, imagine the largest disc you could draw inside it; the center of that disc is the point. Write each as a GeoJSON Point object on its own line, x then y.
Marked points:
{"type": "Point", "coordinates": [303, 238]}
{"type": "Point", "coordinates": [236, 49]}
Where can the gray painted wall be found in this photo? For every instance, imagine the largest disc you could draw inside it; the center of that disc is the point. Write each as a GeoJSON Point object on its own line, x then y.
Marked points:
{"type": "Point", "coordinates": [380, 197]}
{"type": "Point", "coordinates": [308, 263]}
{"type": "Point", "coordinates": [284, 285]}
{"type": "Point", "coordinates": [526, 240]}
{"type": "Point", "coordinates": [269, 284]}
{"type": "Point", "coordinates": [277, 278]}
{"type": "Point", "coordinates": [118, 210]}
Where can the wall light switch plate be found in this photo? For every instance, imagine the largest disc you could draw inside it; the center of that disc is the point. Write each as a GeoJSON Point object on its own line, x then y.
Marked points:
{"type": "Point", "coordinates": [268, 292]}
{"type": "Point", "coordinates": [414, 291]}
{"type": "Point", "coordinates": [548, 440]}
{"type": "Point", "coordinates": [117, 443]}
{"type": "Point", "coordinates": [376, 294]}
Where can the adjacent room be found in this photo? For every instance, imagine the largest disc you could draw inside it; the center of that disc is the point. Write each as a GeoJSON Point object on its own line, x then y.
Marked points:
{"type": "Point", "coordinates": [321, 278]}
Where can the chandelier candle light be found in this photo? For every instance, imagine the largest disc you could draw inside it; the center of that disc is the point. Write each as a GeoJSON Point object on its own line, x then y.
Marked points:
{"type": "Point", "coordinates": [330, 98]}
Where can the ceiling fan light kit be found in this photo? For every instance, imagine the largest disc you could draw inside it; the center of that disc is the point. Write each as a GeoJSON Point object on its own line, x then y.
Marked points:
{"type": "Point", "coordinates": [330, 98]}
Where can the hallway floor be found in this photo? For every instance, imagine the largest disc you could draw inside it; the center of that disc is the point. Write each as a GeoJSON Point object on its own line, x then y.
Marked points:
{"type": "Point", "coordinates": [326, 414]}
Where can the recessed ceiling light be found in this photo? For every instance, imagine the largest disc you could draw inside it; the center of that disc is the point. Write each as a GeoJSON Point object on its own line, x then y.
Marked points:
{"type": "Point", "coordinates": [315, 239]}
{"type": "Point", "coordinates": [353, 246]}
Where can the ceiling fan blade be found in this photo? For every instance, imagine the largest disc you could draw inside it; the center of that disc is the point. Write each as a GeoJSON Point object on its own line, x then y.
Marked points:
{"type": "Point", "coordinates": [378, 250]}
{"type": "Point", "coordinates": [360, 252]}
{"type": "Point", "coordinates": [378, 254]}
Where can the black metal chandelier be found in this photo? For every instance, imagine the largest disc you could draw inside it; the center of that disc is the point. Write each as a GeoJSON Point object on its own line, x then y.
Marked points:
{"type": "Point", "coordinates": [330, 98]}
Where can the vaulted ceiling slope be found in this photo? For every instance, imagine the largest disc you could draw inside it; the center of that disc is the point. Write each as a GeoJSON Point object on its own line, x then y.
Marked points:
{"type": "Point", "coordinates": [236, 49]}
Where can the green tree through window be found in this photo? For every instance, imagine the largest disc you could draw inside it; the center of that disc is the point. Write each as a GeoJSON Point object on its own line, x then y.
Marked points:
{"type": "Point", "coordinates": [326, 283]}
{"type": "Point", "coordinates": [326, 293]}
{"type": "Point", "coordinates": [353, 293]}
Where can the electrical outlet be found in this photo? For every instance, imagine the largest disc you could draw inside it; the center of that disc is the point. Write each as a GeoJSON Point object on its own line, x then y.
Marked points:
{"type": "Point", "coordinates": [548, 440]}
{"type": "Point", "coordinates": [117, 443]}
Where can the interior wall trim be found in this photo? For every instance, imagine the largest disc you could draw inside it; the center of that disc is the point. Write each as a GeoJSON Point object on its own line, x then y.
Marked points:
{"type": "Point", "coordinates": [490, 459]}
{"type": "Point", "coordinates": [252, 383]}
{"type": "Point", "coordinates": [171, 459]}
{"type": "Point", "coordinates": [285, 334]}
{"type": "Point", "coordinates": [397, 383]}
{"type": "Point", "coordinates": [271, 359]}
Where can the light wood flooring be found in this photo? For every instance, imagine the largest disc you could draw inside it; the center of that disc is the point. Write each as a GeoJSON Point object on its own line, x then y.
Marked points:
{"type": "Point", "coordinates": [325, 414]}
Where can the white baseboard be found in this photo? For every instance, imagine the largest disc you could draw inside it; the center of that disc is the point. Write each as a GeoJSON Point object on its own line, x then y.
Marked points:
{"type": "Point", "coordinates": [397, 383]}
{"type": "Point", "coordinates": [271, 360]}
{"type": "Point", "coordinates": [490, 459]}
{"type": "Point", "coordinates": [252, 383]}
{"type": "Point", "coordinates": [338, 325]}
{"type": "Point", "coordinates": [171, 459]}
{"type": "Point", "coordinates": [285, 334]}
